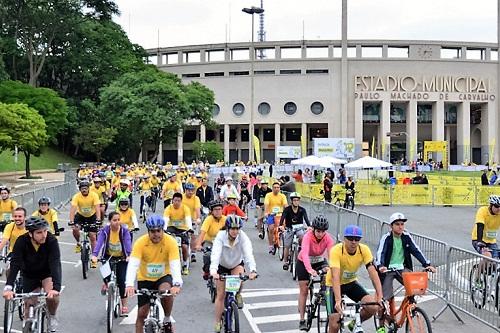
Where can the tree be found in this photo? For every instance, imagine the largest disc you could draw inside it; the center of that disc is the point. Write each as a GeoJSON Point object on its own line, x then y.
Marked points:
{"type": "Point", "coordinates": [22, 127]}
{"type": "Point", "coordinates": [45, 101]}
{"type": "Point", "coordinates": [209, 150]}
{"type": "Point", "coordinates": [95, 137]}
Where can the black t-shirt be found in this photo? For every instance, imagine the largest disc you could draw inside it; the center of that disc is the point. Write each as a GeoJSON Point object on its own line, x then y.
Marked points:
{"type": "Point", "coordinates": [290, 217]}
{"type": "Point", "coordinates": [261, 194]}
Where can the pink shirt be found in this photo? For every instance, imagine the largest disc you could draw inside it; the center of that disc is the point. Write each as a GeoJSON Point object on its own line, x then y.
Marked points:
{"type": "Point", "coordinates": [312, 248]}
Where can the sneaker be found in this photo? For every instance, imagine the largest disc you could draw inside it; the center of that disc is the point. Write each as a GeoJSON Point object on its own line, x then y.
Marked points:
{"type": "Point", "coordinates": [193, 257]}
{"type": "Point", "coordinates": [104, 289]}
{"type": "Point", "coordinates": [93, 264]}
{"type": "Point", "coordinates": [271, 249]}
{"type": "Point", "coordinates": [303, 325]}
{"type": "Point", "coordinates": [381, 330]}
{"type": "Point", "coordinates": [239, 300]}
{"type": "Point", "coordinates": [261, 235]}
{"type": "Point", "coordinates": [78, 248]}
{"type": "Point", "coordinates": [52, 324]}
{"type": "Point", "coordinates": [185, 270]}
{"type": "Point", "coordinates": [124, 311]}
{"type": "Point", "coordinates": [206, 275]}
{"type": "Point", "coordinates": [168, 327]}
{"type": "Point", "coordinates": [217, 328]}
{"type": "Point", "coordinates": [285, 266]}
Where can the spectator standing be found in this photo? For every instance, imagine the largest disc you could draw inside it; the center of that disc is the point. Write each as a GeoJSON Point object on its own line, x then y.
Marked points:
{"type": "Point", "coordinates": [484, 178]}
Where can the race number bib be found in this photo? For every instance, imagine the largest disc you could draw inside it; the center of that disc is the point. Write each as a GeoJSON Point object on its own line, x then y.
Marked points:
{"type": "Point", "coordinates": [296, 227]}
{"type": "Point", "coordinates": [86, 210]}
{"type": "Point", "coordinates": [115, 247]}
{"type": "Point", "coordinates": [155, 270]}
{"type": "Point", "coordinates": [491, 234]}
{"type": "Point", "coordinates": [233, 284]}
{"type": "Point", "coordinates": [170, 193]}
{"type": "Point", "coordinates": [349, 275]}
{"type": "Point", "coordinates": [177, 223]}
{"type": "Point", "coordinates": [275, 210]}
{"type": "Point", "coordinates": [7, 217]}
{"type": "Point", "coordinates": [316, 259]}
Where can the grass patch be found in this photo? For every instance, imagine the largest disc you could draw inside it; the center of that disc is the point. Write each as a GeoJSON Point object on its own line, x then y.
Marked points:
{"type": "Point", "coordinates": [49, 159]}
{"type": "Point", "coordinates": [469, 174]}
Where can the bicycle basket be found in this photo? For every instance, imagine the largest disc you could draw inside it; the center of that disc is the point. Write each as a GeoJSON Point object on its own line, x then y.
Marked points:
{"type": "Point", "coordinates": [415, 283]}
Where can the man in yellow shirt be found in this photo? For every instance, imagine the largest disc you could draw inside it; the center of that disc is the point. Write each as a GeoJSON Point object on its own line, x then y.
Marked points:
{"type": "Point", "coordinates": [274, 204]}
{"type": "Point", "coordinates": [170, 187]}
{"type": "Point", "coordinates": [484, 232]}
{"type": "Point", "coordinates": [127, 216]}
{"type": "Point", "coordinates": [85, 211]}
{"type": "Point", "coordinates": [178, 222]}
{"type": "Point", "coordinates": [345, 259]}
{"type": "Point", "coordinates": [49, 214]}
{"type": "Point", "coordinates": [7, 205]}
{"type": "Point", "coordinates": [193, 203]}
{"type": "Point", "coordinates": [14, 229]}
{"type": "Point", "coordinates": [155, 262]}
{"type": "Point", "coordinates": [211, 226]}
{"type": "Point", "coordinates": [99, 188]}
{"type": "Point", "coordinates": [145, 188]}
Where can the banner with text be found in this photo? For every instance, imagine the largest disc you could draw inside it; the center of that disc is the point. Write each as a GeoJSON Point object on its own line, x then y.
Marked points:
{"type": "Point", "coordinates": [289, 152]}
{"type": "Point", "coordinates": [335, 147]}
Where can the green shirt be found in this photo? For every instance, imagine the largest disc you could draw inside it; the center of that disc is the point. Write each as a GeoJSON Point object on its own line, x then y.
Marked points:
{"type": "Point", "coordinates": [397, 257]}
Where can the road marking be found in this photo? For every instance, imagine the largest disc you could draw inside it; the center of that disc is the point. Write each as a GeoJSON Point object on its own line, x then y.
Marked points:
{"type": "Point", "coordinates": [75, 263]}
{"type": "Point", "coordinates": [265, 305]}
{"type": "Point", "coordinates": [12, 330]}
{"type": "Point", "coordinates": [280, 318]}
{"type": "Point", "coordinates": [274, 292]}
{"type": "Point", "coordinates": [66, 243]}
{"type": "Point", "coordinates": [132, 315]}
{"type": "Point", "coordinates": [2, 281]}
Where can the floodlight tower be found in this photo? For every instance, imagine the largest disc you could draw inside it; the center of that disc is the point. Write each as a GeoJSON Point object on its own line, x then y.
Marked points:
{"type": "Point", "coordinates": [261, 35]}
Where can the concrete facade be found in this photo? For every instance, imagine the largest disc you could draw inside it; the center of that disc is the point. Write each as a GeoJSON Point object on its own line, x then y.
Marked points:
{"type": "Point", "coordinates": [428, 90]}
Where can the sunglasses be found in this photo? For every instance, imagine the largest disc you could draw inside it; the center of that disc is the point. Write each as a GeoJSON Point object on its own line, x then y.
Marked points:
{"type": "Point", "coordinates": [353, 239]}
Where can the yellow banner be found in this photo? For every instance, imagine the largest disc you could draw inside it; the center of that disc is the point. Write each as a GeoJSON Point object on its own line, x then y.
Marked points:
{"type": "Point", "coordinates": [454, 195]}
{"type": "Point", "coordinates": [303, 144]}
{"type": "Point", "coordinates": [411, 195]}
{"type": "Point", "coordinates": [256, 144]}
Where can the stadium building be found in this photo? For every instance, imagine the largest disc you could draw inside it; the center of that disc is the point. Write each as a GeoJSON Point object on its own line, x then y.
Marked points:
{"type": "Point", "coordinates": [390, 96]}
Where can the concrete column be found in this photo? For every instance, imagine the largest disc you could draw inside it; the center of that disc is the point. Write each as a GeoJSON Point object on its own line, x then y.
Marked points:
{"type": "Point", "coordinates": [344, 79]}
{"type": "Point", "coordinates": [488, 133]}
{"type": "Point", "coordinates": [384, 142]}
{"type": "Point", "coordinates": [159, 60]}
{"type": "Point", "coordinates": [203, 133]}
{"type": "Point", "coordinates": [303, 131]}
{"type": "Point", "coordinates": [227, 54]}
{"type": "Point", "coordinates": [463, 132]}
{"type": "Point", "coordinates": [261, 138]}
{"type": "Point", "coordinates": [180, 150]}
{"type": "Point", "coordinates": [139, 159]}
{"type": "Point", "coordinates": [411, 130]}
{"type": "Point", "coordinates": [303, 52]}
{"type": "Point", "coordinates": [238, 142]}
{"type": "Point", "coordinates": [226, 142]}
{"type": "Point", "coordinates": [160, 153]}
{"type": "Point", "coordinates": [358, 128]}
{"type": "Point", "coordinates": [180, 58]}
{"type": "Point", "coordinates": [385, 51]}
{"type": "Point", "coordinates": [438, 126]}
{"type": "Point", "coordinates": [277, 129]}
{"type": "Point", "coordinates": [277, 52]}
{"type": "Point", "coordinates": [330, 51]}
{"type": "Point", "coordinates": [203, 56]}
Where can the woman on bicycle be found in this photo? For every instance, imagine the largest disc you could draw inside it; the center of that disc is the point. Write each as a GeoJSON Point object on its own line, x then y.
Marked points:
{"type": "Point", "coordinates": [316, 245]}
{"type": "Point", "coordinates": [113, 241]}
{"type": "Point", "coordinates": [127, 215]}
{"type": "Point", "coordinates": [231, 250]}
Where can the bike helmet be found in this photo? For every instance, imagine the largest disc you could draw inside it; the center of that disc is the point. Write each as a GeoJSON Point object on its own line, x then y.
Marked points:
{"type": "Point", "coordinates": [155, 222]}
{"type": "Point", "coordinates": [123, 201]}
{"type": "Point", "coordinates": [231, 196]}
{"type": "Point", "coordinates": [35, 223]}
{"type": "Point", "coordinates": [320, 222]}
{"type": "Point", "coordinates": [229, 179]}
{"type": "Point", "coordinates": [215, 203]}
{"type": "Point", "coordinates": [494, 200]}
{"type": "Point", "coordinates": [124, 182]}
{"type": "Point", "coordinates": [44, 200]}
{"type": "Point", "coordinates": [84, 183]}
{"type": "Point", "coordinates": [189, 186]}
{"type": "Point", "coordinates": [97, 180]}
{"type": "Point", "coordinates": [234, 221]}
{"type": "Point", "coordinates": [295, 195]}
{"type": "Point", "coordinates": [353, 231]}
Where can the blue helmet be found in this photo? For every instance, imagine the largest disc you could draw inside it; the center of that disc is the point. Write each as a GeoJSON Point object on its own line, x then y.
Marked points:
{"type": "Point", "coordinates": [234, 221]}
{"type": "Point", "coordinates": [155, 222]}
{"type": "Point", "coordinates": [189, 186]}
{"type": "Point", "coordinates": [353, 231]}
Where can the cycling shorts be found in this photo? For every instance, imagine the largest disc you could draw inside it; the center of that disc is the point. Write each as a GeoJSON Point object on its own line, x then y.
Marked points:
{"type": "Point", "coordinates": [151, 285]}
{"type": "Point", "coordinates": [303, 274]}
{"type": "Point", "coordinates": [30, 284]}
{"type": "Point", "coordinates": [224, 270]}
{"type": "Point", "coordinates": [353, 290]}
{"type": "Point", "coordinates": [493, 247]}
{"type": "Point", "coordinates": [272, 219]}
{"type": "Point", "coordinates": [83, 221]}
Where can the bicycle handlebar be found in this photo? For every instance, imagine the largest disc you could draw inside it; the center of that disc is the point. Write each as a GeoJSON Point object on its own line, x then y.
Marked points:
{"type": "Point", "coordinates": [153, 293]}
{"type": "Point", "coordinates": [245, 277]}
{"type": "Point", "coordinates": [29, 295]}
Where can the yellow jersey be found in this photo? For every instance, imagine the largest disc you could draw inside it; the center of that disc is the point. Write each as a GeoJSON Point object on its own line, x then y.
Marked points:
{"type": "Point", "coordinates": [127, 217]}
{"type": "Point", "coordinates": [50, 216]}
{"type": "Point", "coordinates": [85, 205]}
{"type": "Point", "coordinates": [99, 191]}
{"type": "Point", "coordinates": [491, 225]}
{"type": "Point", "coordinates": [155, 258]}
{"type": "Point", "coordinates": [7, 209]}
{"type": "Point", "coordinates": [192, 203]}
{"type": "Point", "coordinates": [177, 217]}
{"type": "Point", "coordinates": [11, 233]}
{"type": "Point", "coordinates": [194, 181]}
{"type": "Point", "coordinates": [169, 188]}
{"type": "Point", "coordinates": [155, 181]}
{"type": "Point", "coordinates": [145, 187]}
{"type": "Point", "coordinates": [347, 263]}
{"type": "Point", "coordinates": [275, 203]}
{"type": "Point", "coordinates": [114, 244]}
{"type": "Point", "coordinates": [211, 227]}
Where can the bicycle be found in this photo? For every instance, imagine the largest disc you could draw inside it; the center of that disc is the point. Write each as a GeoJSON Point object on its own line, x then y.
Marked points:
{"type": "Point", "coordinates": [212, 288]}
{"type": "Point", "coordinates": [349, 200]}
{"type": "Point", "coordinates": [152, 323]}
{"type": "Point", "coordinates": [178, 238]}
{"type": "Point", "coordinates": [316, 299]}
{"type": "Point", "coordinates": [415, 318]}
{"type": "Point", "coordinates": [113, 300]}
{"type": "Point", "coordinates": [484, 284]}
{"type": "Point", "coordinates": [294, 250]}
{"type": "Point", "coordinates": [85, 247]}
{"type": "Point", "coordinates": [10, 306]}
{"type": "Point", "coordinates": [278, 235]}
{"type": "Point", "coordinates": [36, 320]}
{"type": "Point", "coordinates": [3, 254]}
{"type": "Point", "coordinates": [230, 316]}
{"type": "Point", "coordinates": [356, 316]}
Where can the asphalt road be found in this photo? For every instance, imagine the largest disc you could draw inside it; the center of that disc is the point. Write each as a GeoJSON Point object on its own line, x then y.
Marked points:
{"type": "Point", "coordinates": [270, 301]}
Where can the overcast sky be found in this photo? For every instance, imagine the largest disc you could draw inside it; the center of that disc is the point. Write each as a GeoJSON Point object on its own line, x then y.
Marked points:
{"type": "Point", "coordinates": [188, 22]}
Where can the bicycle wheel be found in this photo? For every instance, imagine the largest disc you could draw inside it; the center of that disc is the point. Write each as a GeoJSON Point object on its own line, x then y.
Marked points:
{"type": "Point", "coordinates": [151, 327]}
{"type": "Point", "coordinates": [420, 322]}
{"type": "Point", "coordinates": [281, 242]}
{"type": "Point", "coordinates": [477, 287]}
{"type": "Point", "coordinates": [153, 203]}
{"type": "Point", "coordinates": [213, 292]}
{"type": "Point", "coordinates": [350, 203]}
{"type": "Point", "coordinates": [28, 326]}
{"type": "Point", "coordinates": [338, 204]}
{"type": "Point", "coordinates": [110, 309]}
{"type": "Point", "coordinates": [310, 311]}
{"type": "Point", "coordinates": [85, 261]}
{"type": "Point", "coordinates": [293, 262]}
{"type": "Point", "coordinates": [20, 309]}
{"type": "Point", "coordinates": [319, 321]}
{"type": "Point", "coordinates": [235, 320]}
{"type": "Point", "coordinates": [117, 310]}
{"type": "Point", "coordinates": [8, 315]}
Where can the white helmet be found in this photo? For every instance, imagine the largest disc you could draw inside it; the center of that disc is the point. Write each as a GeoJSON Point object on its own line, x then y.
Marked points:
{"type": "Point", "coordinates": [495, 200]}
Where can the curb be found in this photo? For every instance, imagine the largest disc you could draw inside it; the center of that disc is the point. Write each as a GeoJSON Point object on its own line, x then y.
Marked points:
{"type": "Point", "coordinates": [21, 172]}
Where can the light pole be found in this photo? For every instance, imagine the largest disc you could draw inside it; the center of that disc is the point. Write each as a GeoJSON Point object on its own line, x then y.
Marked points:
{"type": "Point", "coordinates": [252, 10]}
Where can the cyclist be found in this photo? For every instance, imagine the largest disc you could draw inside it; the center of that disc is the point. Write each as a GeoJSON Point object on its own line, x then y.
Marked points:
{"type": "Point", "coordinates": [205, 193]}
{"type": "Point", "coordinates": [170, 187]}
{"type": "Point", "coordinates": [484, 233]}
{"type": "Point", "coordinates": [345, 259]}
{"type": "Point", "coordinates": [13, 231]}
{"type": "Point", "coordinates": [49, 214]}
{"type": "Point", "coordinates": [244, 191]}
{"type": "Point", "coordinates": [145, 186]}
{"type": "Point", "coordinates": [260, 195]}
{"type": "Point", "coordinates": [219, 182]}
{"type": "Point", "coordinates": [36, 255]}
{"type": "Point", "coordinates": [232, 207]}
{"type": "Point", "coordinates": [155, 262]}
{"type": "Point", "coordinates": [178, 221]}
{"type": "Point", "coordinates": [228, 189]}
{"type": "Point", "coordinates": [85, 209]}
{"type": "Point", "coordinates": [328, 186]}
{"type": "Point", "coordinates": [123, 191]}
{"type": "Point", "coordinates": [349, 186]}
{"type": "Point", "coordinates": [292, 215]}
{"type": "Point", "coordinates": [312, 258]}
{"type": "Point", "coordinates": [231, 250]}
{"type": "Point", "coordinates": [7, 205]}
{"type": "Point", "coordinates": [100, 190]}
{"type": "Point", "coordinates": [127, 215]}
{"type": "Point", "coordinates": [213, 223]}
{"type": "Point", "coordinates": [394, 252]}
{"type": "Point", "coordinates": [274, 203]}
{"type": "Point", "coordinates": [114, 242]}
{"type": "Point", "coordinates": [193, 203]}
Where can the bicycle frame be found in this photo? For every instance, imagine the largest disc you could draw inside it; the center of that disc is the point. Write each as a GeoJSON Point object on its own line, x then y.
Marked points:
{"type": "Point", "coordinates": [35, 312]}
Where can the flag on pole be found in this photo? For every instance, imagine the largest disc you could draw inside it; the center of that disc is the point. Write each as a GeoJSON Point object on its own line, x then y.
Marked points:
{"type": "Point", "coordinates": [303, 144]}
{"type": "Point", "coordinates": [373, 146]}
{"type": "Point", "coordinates": [256, 145]}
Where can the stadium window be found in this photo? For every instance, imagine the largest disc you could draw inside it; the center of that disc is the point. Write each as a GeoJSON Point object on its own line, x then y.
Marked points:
{"type": "Point", "coordinates": [293, 134]}
{"type": "Point", "coordinates": [268, 134]}
{"type": "Point", "coordinates": [189, 136]}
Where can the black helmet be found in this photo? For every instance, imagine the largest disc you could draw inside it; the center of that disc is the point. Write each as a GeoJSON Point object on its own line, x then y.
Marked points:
{"type": "Point", "coordinates": [320, 222]}
{"type": "Point", "coordinates": [44, 200]}
{"type": "Point", "coordinates": [83, 183]}
{"type": "Point", "coordinates": [34, 223]}
{"type": "Point", "coordinates": [215, 203]}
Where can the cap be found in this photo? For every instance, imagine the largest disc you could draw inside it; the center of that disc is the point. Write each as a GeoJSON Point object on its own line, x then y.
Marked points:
{"type": "Point", "coordinates": [397, 217]}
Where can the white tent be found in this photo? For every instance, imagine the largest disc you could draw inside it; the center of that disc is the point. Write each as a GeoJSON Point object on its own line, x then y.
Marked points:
{"type": "Point", "coordinates": [368, 162]}
{"type": "Point", "coordinates": [333, 160]}
{"type": "Point", "coordinates": [312, 161]}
